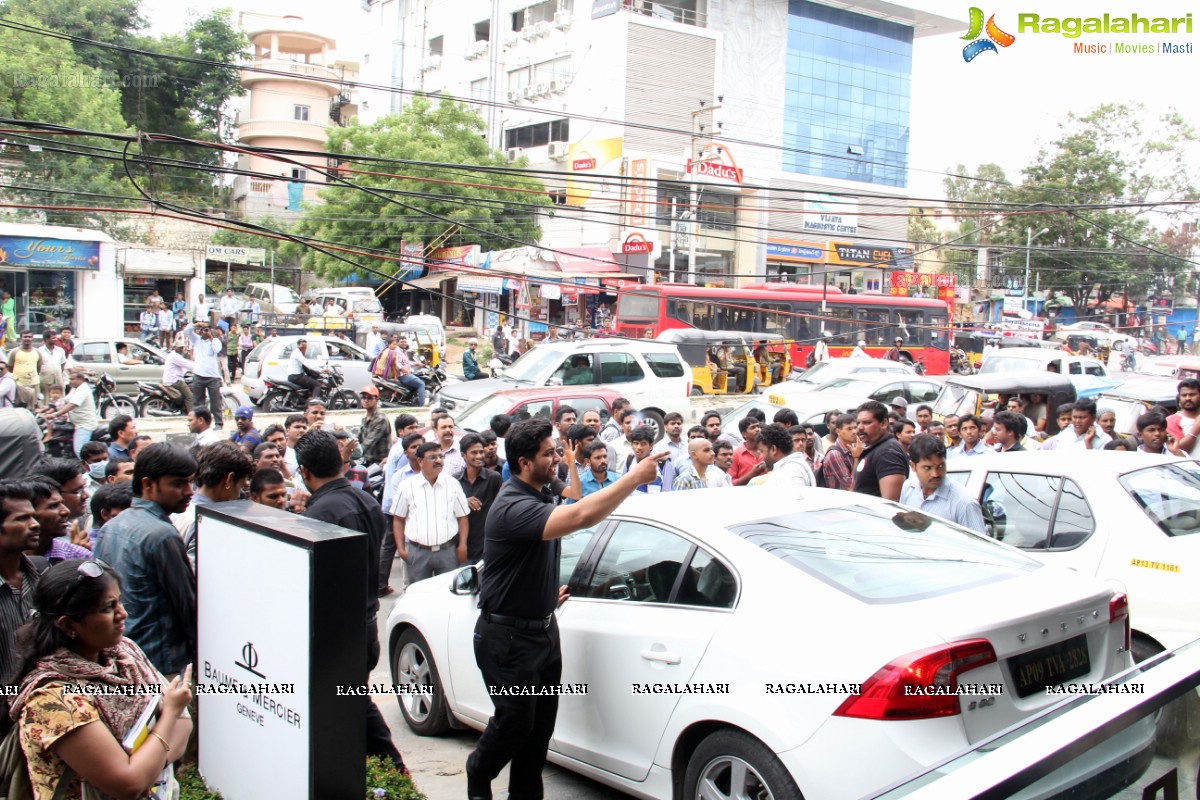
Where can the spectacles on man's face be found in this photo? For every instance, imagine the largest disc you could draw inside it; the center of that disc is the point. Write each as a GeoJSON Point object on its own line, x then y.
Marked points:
{"type": "Point", "coordinates": [435, 458]}
{"type": "Point", "coordinates": [367, 396]}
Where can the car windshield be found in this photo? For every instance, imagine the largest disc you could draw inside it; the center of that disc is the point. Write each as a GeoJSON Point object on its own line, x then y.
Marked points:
{"type": "Point", "coordinates": [282, 294]}
{"type": "Point", "coordinates": [534, 365]}
{"type": "Point", "coordinates": [955, 400]}
{"type": "Point", "coordinates": [367, 306]}
{"type": "Point", "coordinates": [257, 353]}
{"type": "Point", "coordinates": [1157, 368]}
{"type": "Point", "coordinates": [998, 365]}
{"type": "Point", "coordinates": [817, 373]}
{"type": "Point", "coordinates": [1169, 495]}
{"type": "Point", "coordinates": [888, 554]}
{"type": "Point", "coordinates": [478, 416]}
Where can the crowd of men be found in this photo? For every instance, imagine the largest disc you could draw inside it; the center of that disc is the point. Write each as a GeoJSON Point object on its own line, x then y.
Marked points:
{"type": "Point", "coordinates": [131, 502]}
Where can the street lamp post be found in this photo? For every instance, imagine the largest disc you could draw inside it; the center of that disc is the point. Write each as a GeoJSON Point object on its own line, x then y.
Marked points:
{"type": "Point", "coordinates": [1029, 237]}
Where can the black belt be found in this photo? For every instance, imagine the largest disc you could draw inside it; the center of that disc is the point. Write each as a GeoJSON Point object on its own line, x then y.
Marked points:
{"type": "Point", "coordinates": [519, 622]}
{"type": "Point", "coordinates": [433, 548]}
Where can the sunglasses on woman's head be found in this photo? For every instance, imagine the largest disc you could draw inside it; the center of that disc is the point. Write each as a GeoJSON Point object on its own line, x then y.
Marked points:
{"type": "Point", "coordinates": [92, 568]}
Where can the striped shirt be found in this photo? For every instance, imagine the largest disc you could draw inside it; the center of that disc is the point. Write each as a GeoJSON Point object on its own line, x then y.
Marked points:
{"type": "Point", "coordinates": [430, 511]}
{"type": "Point", "coordinates": [15, 607]}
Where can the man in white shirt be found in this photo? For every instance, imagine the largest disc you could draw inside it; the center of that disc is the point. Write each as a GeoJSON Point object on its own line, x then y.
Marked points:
{"type": "Point", "coordinates": [174, 370]}
{"type": "Point", "coordinates": [53, 360]}
{"type": "Point", "coordinates": [166, 323]}
{"type": "Point", "coordinates": [8, 387]}
{"type": "Point", "coordinates": [374, 342]}
{"type": "Point", "coordinates": [148, 323]}
{"type": "Point", "coordinates": [229, 306]}
{"type": "Point", "coordinates": [203, 311]}
{"type": "Point", "coordinates": [200, 423]}
{"type": "Point", "coordinates": [788, 469]}
{"type": "Point", "coordinates": [1083, 434]}
{"type": "Point", "coordinates": [80, 408]}
{"type": "Point", "coordinates": [429, 518]}
{"type": "Point", "coordinates": [303, 370]}
{"type": "Point", "coordinates": [206, 372]}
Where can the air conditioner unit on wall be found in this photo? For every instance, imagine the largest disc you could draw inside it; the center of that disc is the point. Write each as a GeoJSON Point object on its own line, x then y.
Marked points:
{"type": "Point", "coordinates": [514, 96]}
{"type": "Point", "coordinates": [541, 29]}
{"type": "Point", "coordinates": [515, 153]}
{"type": "Point", "coordinates": [512, 39]}
{"type": "Point", "coordinates": [558, 150]}
{"type": "Point", "coordinates": [542, 90]}
{"type": "Point", "coordinates": [527, 92]}
{"type": "Point", "coordinates": [527, 32]}
{"type": "Point", "coordinates": [562, 19]}
{"type": "Point", "coordinates": [556, 87]}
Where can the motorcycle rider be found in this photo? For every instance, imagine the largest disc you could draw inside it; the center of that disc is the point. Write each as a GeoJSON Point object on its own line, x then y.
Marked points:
{"type": "Point", "coordinates": [304, 371]}
{"type": "Point", "coordinates": [393, 365]}
{"type": "Point", "coordinates": [174, 370]}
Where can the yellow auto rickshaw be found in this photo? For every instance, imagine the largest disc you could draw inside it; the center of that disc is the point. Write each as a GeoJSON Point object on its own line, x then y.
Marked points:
{"type": "Point", "coordinates": [722, 362]}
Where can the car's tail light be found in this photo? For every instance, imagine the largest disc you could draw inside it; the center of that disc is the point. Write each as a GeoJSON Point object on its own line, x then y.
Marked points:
{"type": "Point", "coordinates": [919, 685]}
{"type": "Point", "coordinates": [689, 388]}
{"type": "Point", "coordinates": [1118, 608]}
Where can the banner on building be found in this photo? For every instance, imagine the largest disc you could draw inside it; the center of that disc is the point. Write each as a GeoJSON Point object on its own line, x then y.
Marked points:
{"type": "Point", "coordinates": [447, 258]}
{"type": "Point", "coordinates": [714, 163]}
{"type": "Point", "coordinates": [251, 256]}
{"type": "Point", "coordinates": [639, 192]}
{"type": "Point", "coordinates": [825, 213]}
{"type": "Point", "coordinates": [923, 284]}
{"type": "Point", "coordinates": [588, 163]}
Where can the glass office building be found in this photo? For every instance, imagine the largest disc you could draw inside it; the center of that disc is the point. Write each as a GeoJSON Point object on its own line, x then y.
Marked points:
{"type": "Point", "coordinates": [848, 83]}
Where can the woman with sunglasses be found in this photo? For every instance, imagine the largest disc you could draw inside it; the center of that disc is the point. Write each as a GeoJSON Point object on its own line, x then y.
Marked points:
{"type": "Point", "coordinates": [76, 638]}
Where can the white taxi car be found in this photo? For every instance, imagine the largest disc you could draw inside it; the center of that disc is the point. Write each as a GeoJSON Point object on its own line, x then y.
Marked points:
{"type": "Point", "coordinates": [270, 360]}
{"type": "Point", "coordinates": [744, 643]}
{"type": "Point", "coordinates": [1132, 519]}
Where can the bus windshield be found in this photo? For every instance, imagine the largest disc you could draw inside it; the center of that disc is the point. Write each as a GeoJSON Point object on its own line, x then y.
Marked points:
{"type": "Point", "coordinates": [639, 306]}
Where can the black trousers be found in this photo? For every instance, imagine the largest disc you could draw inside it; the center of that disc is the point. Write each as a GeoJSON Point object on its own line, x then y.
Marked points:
{"type": "Point", "coordinates": [387, 554]}
{"type": "Point", "coordinates": [308, 382]}
{"type": "Point", "coordinates": [210, 388]}
{"type": "Point", "coordinates": [379, 735]}
{"type": "Point", "coordinates": [521, 728]}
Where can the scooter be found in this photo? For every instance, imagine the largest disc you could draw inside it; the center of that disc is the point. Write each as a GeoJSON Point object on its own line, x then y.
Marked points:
{"type": "Point", "coordinates": [499, 363]}
{"type": "Point", "coordinates": [396, 395]}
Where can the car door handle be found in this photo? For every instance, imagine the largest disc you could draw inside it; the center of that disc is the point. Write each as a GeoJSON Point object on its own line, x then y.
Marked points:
{"type": "Point", "coordinates": [123, 367]}
{"type": "Point", "coordinates": [661, 655]}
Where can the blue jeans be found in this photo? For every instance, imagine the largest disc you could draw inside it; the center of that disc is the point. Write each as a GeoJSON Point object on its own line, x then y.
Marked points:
{"type": "Point", "coordinates": [411, 381]}
{"type": "Point", "coordinates": [82, 437]}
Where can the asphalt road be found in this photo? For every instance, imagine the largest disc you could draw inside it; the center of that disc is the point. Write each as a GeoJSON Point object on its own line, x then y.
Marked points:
{"type": "Point", "coordinates": [438, 764]}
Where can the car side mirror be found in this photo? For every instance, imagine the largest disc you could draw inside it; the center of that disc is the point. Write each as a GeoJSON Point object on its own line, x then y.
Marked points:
{"type": "Point", "coordinates": [466, 581]}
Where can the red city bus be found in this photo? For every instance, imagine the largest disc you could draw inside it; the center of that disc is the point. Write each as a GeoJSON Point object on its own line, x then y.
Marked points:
{"type": "Point", "coordinates": [795, 312]}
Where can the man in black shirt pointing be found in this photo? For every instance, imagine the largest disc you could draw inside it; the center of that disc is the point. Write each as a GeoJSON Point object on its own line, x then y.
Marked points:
{"type": "Point", "coordinates": [516, 637]}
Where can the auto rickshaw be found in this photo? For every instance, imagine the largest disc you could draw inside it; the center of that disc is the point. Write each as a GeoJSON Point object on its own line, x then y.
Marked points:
{"type": "Point", "coordinates": [971, 395]}
{"type": "Point", "coordinates": [773, 357]}
{"type": "Point", "coordinates": [972, 345]}
{"type": "Point", "coordinates": [721, 361]}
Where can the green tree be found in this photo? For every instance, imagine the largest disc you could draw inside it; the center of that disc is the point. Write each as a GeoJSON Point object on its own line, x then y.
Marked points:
{"type": "Point", "coordinates": [491, 215]}
{"type": "Point", "coordinates": [49, 84]}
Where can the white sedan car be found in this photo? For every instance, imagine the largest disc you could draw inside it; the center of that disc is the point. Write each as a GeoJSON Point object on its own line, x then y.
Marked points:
{"type": "Point", "coordinates": [270, 360]}
{"type": "Point", "coordinates": [1132, 519]}
{"type": "Point", "coordinates": [761, 646]}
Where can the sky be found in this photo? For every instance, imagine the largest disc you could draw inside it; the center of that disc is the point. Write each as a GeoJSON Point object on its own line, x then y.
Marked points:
{"type": "Point", "coordinates": [1001, 107]}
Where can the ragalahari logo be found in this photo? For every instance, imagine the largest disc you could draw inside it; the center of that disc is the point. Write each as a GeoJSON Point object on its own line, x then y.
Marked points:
{"type": "Point", "coordinates": [995, 36]}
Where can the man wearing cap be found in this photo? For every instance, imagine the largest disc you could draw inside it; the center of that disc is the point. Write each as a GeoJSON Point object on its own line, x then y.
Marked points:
{"type": "Point", "coordinates": [375, 434]}
{"type": "Point", "coordinates": [246, 436]}
{"type": "Point", "coordinates": [900, 406]}
{"type": "Point", "coordinates": [894, 353]}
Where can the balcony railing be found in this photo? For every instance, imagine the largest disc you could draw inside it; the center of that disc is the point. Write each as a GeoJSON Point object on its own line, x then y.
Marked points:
{"type": "Point", "coordinates": [665, 11]}
{"type": "Point", "coordinates": [293, 68]}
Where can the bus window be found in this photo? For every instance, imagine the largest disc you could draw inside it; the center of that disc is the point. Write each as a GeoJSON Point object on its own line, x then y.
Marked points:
{"type": "Point", "coordinates": [804, 325]}
{"type": "Point", "coordinates": [911, 326]}
{"type": "Point", "coordinates": [938, 337]}
{"type": "Point", "coordinates": [839, 321]}
{"type": "Point", "coordinates": [875, 327]}
{"type": "Point", "coordinates": [776, 319]}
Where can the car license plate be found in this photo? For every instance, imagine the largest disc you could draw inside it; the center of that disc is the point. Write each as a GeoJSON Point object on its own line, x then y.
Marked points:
{"type": "Point", "coordinates": [1050, 666]}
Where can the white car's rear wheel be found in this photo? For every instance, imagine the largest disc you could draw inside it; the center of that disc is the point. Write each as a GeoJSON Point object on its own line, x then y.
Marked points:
{"type": "Point", "coordinates": [422, 701]}
{"type": "Point", "coordinates": [1174, 735]}
{"type": "Point", "coordinates": [731, 765]}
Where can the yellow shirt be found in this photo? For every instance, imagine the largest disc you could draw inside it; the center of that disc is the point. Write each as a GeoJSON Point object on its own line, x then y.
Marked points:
{"type": "Point", "coordinates": [24, 369]}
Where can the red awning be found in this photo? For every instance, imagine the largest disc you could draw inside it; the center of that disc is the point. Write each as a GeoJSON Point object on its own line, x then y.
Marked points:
{"type": "Point", "coordinates": [585, 259]}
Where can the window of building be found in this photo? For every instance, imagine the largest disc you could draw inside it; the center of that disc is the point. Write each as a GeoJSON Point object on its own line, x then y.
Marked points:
{"type": "Point", "coordinates": [300, 113]}
{"type": "Point", "coordinates": [537, 135]}
{"type": "Point", "coordinates": [299, 174]}
{"type": "Point", "coordinates": [479, 89]}
{"type": "Point", "coordinates": [435, 46]}
{"type": "Point", "coordinates": [717, 210]}
{"type": "Point", "coordinates": [483, 31]}
{"type": "Point", "coordinates": [847, 89]}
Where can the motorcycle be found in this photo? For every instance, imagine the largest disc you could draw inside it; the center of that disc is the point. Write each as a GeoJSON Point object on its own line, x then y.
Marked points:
{"type": "Point", "coordinates": [395, 395]}
{"type": "Point", "coordinates": [161, 400]}
{"type": "Point", "coordinates": [960, 363]}
{"type": "Point", "coordinates": [499, 362]}
{"type": "Point", "coordinates": [110, 404]}
{"type": "Point", "coordinates": [919, 366]}
{"type": "Point", "coordinates": [60, 441]}
{"type": "Point", "coordinates": [285, 396]}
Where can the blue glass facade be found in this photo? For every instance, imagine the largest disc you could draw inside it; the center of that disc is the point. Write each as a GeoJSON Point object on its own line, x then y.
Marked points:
{"type": "Point", "coordinates": [848, 83]}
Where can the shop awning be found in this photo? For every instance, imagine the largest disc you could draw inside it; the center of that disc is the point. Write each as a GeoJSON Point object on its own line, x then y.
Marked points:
{"type": "Point", "coordinates": [574, 260]}
{"type": "Point", "coordinates": [149, 261]}
{"type": "Point", "coordinates": [433, 281]}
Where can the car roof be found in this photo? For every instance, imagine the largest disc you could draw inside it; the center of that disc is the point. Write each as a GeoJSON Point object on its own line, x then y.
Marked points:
{"type": "Point", "coordinates": [641, 345]}
{"type": "Point", "coordinates": [1149, 389]}
{"type": "Point", "coordinates": [1035, 382]}
{"type": "Point", "coordinates": [1070, 463]}
{"type": "Point", "coordinates": [878, 377]}
{"type": "Point", "coordinates": [1043, 355]}
{"type": "Point", "coordinates": [560, 392]}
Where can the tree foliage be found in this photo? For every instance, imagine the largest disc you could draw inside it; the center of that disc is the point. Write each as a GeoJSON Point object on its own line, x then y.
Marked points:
{"type": "Point", "coordinates": [1084, 188]}
{"type": "Point", "coordinates": [51, 85]}
{"type": "Point", "coordinates": [421, 202]}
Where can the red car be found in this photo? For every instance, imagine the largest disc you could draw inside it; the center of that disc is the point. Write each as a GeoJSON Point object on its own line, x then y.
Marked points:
{"type": "Point", "coordinates": [539, 402]}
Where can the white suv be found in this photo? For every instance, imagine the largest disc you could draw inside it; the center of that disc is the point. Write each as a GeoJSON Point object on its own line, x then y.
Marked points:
{"type": "Point", "coordinates": [651, 374]}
